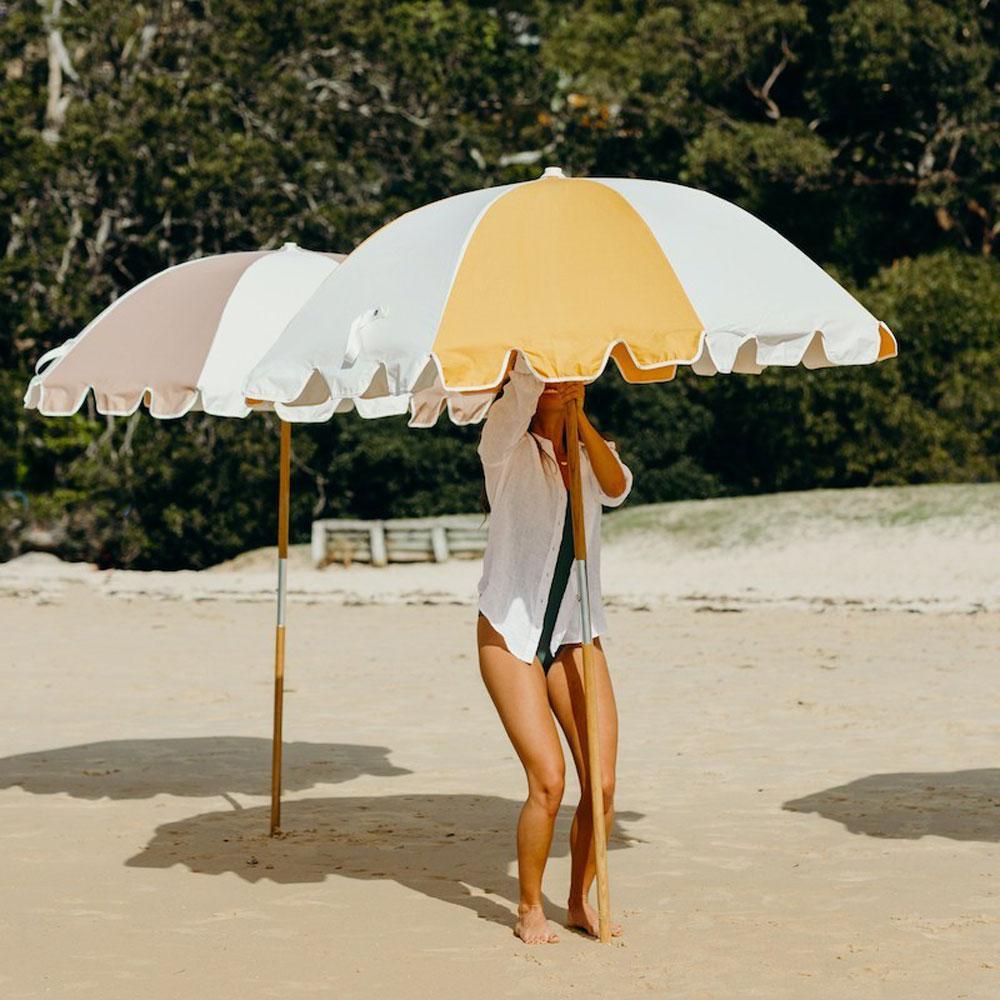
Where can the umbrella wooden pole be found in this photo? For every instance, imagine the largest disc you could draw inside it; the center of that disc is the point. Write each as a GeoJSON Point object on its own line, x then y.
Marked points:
{"type": "Point", "coordinates": [589, 681]}
{"type": "Point", "coordinates": [284, 484]}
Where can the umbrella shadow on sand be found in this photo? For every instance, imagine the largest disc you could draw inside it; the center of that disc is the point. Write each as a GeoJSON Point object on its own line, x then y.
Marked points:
{"type": "Point", "coordinates": [188, 767]}
{"type": "Point", "coordinates": [452, 847]}
{"type": "Point", "coordinates": [960, 805]}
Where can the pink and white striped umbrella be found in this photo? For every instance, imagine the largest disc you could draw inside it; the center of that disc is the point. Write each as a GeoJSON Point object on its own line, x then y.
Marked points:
{"type": "Point", "coordinates": [184, 339]}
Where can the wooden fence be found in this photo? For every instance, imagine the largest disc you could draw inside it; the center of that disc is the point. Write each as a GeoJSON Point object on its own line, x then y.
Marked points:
{"type": "Point", "coordinates": [398, 540]}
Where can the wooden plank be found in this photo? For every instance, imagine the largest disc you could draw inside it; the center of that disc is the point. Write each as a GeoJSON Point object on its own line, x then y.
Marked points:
{"type": "Point", "coordinates": [397, 544]}
{"type": "Point", "coordinates": [439, 543]}
{"type": "Point", "coordinates": [317, 544]}
{"type": "Point", "coordinates": [344, 524]}
{"type": "Point", "coordinates": [418, 539]}
{"type": "Point", "coordinates": [379, 554]}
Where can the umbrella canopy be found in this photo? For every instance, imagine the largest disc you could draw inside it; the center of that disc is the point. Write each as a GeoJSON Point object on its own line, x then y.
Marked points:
{"type": "Point", "coordinates": [569, 273]}
{"type": "Point", "coordinates": [184, 339]}
{"type": "Point", "coordinates": [566, 273]}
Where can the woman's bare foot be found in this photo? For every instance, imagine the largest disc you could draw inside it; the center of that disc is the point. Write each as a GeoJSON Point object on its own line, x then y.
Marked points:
{"type": "Point", "coordinates": [532, 927]}
{"type": "Point", "coordinates": [582, 916]}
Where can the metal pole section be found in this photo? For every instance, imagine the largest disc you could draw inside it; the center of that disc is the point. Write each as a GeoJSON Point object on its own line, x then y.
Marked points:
{"type": "Point", "coordinates": [284, 486]}
{"type": "Point", "coordinates": [589, 681]}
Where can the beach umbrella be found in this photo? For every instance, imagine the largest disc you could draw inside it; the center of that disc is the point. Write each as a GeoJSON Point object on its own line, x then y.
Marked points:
{"type": "Point", "coordinates": [184, 340]}
{"type": "Point", "coordinates": [431, 310]}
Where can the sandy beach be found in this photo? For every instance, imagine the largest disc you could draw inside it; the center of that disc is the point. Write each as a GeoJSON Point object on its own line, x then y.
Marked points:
{"type": "Point", "coordinates": [808, 795]}
{"type": "Point", "coordinates": [303, 306]}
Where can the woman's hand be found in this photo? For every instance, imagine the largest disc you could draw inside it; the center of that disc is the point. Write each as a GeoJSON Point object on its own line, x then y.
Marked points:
{"type": "Point", "coordinates": [607, 468]}
{"type": "Point", "coordinates": [565, 391]}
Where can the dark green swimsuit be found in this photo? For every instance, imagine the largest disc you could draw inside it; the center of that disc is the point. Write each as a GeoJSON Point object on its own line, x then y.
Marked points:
{"type": "Point", "coordinates": [560, 578]}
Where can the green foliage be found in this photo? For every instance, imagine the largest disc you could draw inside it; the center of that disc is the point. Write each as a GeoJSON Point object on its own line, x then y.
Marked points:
{"type": "Point", "coordinates": [863, 131]}
{"type": "Point", "coordinates": [931, 415]}
{"type": "Point", "coordinates": [661, 431]}
{"type": "Point", "coordinates": [758, 165]}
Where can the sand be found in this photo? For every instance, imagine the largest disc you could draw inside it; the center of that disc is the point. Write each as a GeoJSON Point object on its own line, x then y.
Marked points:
{"type": "Point", "coordinates": [808, 795]}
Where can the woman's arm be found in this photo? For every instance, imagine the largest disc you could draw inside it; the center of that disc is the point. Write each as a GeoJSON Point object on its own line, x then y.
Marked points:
{"type": "Point", "coordinates": [612, 477]}
{"type": "Point", "coordinates": [510, 416]}
{"type": "Point", "coordinates": [608, 469]}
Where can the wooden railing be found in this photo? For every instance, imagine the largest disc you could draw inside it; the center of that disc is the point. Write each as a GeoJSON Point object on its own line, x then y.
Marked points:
{"type": "Point", "coordinates": [398, 540]}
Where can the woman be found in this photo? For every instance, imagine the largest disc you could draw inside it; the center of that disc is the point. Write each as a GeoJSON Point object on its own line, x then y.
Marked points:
{"type": "Point", "coordinates": [529, 624]}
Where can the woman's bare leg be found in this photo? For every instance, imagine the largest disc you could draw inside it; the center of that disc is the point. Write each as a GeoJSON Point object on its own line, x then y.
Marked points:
{"type": "Point", "coordinates": [519, 692]}
{"type": "Point", "coordinates": [565, 684]}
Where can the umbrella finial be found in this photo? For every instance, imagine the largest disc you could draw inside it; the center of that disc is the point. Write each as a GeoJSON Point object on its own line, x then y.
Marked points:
{"type": "Point", "coordinates": [553, 172]}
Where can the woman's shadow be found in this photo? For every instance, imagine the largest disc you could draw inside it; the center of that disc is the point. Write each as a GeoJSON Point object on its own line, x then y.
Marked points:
{"type": "Point", "coordinates": [452, 847]}
{"type": "Point", "coordinates": [189, 767]}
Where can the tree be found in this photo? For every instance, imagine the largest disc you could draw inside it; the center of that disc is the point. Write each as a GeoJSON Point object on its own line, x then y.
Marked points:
{"type": "Point", "coordinates": [134, 136]}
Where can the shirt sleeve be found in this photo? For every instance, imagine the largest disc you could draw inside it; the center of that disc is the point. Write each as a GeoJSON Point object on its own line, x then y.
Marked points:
{"type": "Point", "coordinates": [510, 416]}
{"type": "Point", "coordinates": [609, 501]}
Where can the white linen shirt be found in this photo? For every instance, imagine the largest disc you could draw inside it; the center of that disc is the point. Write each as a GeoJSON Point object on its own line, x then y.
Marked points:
{"type": "Point", "coordinates": [527, 512]}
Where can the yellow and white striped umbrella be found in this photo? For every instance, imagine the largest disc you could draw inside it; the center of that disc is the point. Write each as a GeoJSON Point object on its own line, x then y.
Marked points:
{"type": "Point", "coordinates": [568, 272]}
{"type": "Point", "coordinates": [431, 310]}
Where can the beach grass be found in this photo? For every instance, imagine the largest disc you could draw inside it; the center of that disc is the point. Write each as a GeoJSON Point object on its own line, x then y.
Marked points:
{"type": "Point", "coordinates": [773, 518]}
